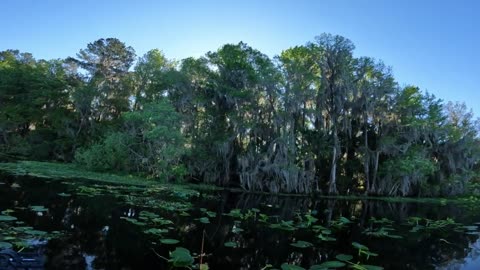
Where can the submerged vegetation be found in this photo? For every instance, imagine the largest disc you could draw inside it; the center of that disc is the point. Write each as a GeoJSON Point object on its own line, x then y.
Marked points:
{"type": "Point", "coordinates": [314, 119]}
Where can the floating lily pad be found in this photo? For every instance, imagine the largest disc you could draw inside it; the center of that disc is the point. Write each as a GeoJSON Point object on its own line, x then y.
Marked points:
{"type": "Point", "coordinates": [181, 257]}
{"type": "Point", "coordinates": [7, 218]}
{"type": "Point", "coordinates": [344, 257]}
{"type": "Point", "coordinates": [286, 266]}
{"type": "Point", "coordinates": [359, 246]}
{"type": "Point", "coordinates": [237, 230]}
{"type": "Point", "coordinates": [204, 220]}
{"type": "Point", "coordinates": [35, 232]}
{"type": "Point", "coordinates": [155, 231]}
{"type": "Point", "coordinates": [371, 267]}
{"type": "Point", "coordinates": [332, 264]}
{"type": "Point", "coordinates": [38, 208]}
{"type": "Point", "coordinates": [64, 194]}
{"type": "Point", "coordinates": [302, 244]}
{"type": "Point", "coordinates": [5, 245]}
{"type": "Point", "coordinates": [231, 244]}
{"type": "Point", "coordinates": [167, 241]}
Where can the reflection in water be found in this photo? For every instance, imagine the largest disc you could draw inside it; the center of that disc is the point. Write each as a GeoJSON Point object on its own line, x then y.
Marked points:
{"type": "Point", "coordinates": [470, 262]}
{"type": "Point", "coordinates": [97, 237]}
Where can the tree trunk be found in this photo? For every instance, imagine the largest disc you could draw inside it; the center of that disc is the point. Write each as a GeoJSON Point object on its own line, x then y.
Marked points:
{"type": "Point", "coordinates": [332, 187]}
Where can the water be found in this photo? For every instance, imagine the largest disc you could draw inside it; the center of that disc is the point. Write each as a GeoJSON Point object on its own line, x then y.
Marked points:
{"type": "Point", "coordinates": [97, 230]}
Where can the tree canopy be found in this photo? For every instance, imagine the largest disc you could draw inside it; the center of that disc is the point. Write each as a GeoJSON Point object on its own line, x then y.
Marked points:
{"type": "Point", "coordinates": [312, 119]}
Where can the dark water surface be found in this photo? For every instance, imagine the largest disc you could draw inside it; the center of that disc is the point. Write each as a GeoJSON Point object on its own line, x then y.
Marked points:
{"type": "Point", "coordinates": [104, 228]}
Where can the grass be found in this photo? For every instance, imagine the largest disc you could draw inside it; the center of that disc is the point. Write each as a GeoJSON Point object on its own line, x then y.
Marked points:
{"type": "Point", "coordinates": [64, 171]}
{"type": "Point", "coordinates": [61, 171]}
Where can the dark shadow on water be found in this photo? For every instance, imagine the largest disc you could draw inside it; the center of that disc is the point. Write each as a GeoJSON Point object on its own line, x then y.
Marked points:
{"type": "Point", "coordinates": [96, 236]}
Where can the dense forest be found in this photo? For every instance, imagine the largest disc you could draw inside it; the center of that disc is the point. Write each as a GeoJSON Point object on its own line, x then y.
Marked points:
{"type": "Point", "coordinates": [314, 119]}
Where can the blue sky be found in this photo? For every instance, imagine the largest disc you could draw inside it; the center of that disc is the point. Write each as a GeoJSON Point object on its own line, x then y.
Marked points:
{"type": "Point", "coordinates": [432, 44]}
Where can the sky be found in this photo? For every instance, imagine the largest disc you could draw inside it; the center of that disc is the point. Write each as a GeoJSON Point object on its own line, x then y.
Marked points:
{"type": "Point", "coordinates": [428, 43]}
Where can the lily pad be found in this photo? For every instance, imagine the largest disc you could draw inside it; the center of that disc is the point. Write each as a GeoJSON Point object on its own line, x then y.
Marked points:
{"type": "Point", "coordinates": [204, 220]}
{"type": "Point", "coordinates": [371, 267]}
{"type": "Point", "coordinates": [302, 244]}
{"type": "Point", "coordinates": [344, 257]}
{"type": "Point", "coordinates": [237, 229]}
{"type": "Point", "coordinates": [230, 244]}
{"type": "Point", "coordinates": [359, 246]}
{"type": "Point", "coordinates": [167, 241]}
{"type": "Point", "coordinates": [286, 266]}
{"type": "Point", "coordinates": [155, 231]}
{"type": "Point", "coordinates": [332, 264]}
{"type": "Point", "coordinates": [38, 208]}
{"type": "Point", "coordinates": [181, 257]}
{"type": "Point", "coordinates": [35, 232]}
{"type": "Point", "coordinates": [5, 245]}
{"type": "Point", "coordinates": [7, 218]}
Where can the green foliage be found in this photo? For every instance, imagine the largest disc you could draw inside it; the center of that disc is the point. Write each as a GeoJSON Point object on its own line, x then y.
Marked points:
{"type": "Point", "coordinates": [110, 154]}
{"type": "Point", "coordinates": [314, 119]}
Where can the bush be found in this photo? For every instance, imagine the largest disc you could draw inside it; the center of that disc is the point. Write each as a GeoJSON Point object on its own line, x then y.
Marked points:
{"type": "Point", "coordinates": [107, 155]}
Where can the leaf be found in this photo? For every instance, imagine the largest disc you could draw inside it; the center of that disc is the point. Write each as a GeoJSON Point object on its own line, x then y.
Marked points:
{"type": "Point", "coordinates": [302, 244]}
{"type": "Point", "coordinates": [369, 253]}
{"type": "Point", "coordinates": [155, 231]}
{"type": "Point", "coordinates": [236, 229]}
{"type": "Point", "coordinates": [7, 218]}
{"type": "Point", "coordinates": [204, 220]}
{"type": "Point", "coordinates": [38, 208]}
{"type": "Point", "coordinates": [231, 244]}
{"type": "Point", "coordinates": [5, 245]}
{"type": "Point", "coordinates": [344, 220]}
{"type": "Point", "coordinates": [332, 264]}
{"type": "Point", "coordinates": [64, 194]}
{"type": "Point", "coordinates": [372, 267]}
{"type": "Point", "coordinates": [286, 266]}
{"type": "Point", "coordinates": [211, 214]}
{"type": "Point", "coordinates": [359, 246]}
{"type": "Point", "coordinates": [344, 257]}
{"type": "Point", "coordinates": [470, 228]}
{"type": "Point", "coordinates": [35, 232]}
{"type": "Point", "coordinates": [181, 257]}
{"type": "Point", "coordinates": [317, 267]}
{"type": "Point", "coordinates": [167, 241]}
{"type": "Point", "coordinates": [204, 266]}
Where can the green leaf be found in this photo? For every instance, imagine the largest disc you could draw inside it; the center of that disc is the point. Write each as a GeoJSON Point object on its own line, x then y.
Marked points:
{"type": "Point", "coordinates": [231, 244]}
{"type": "Point", "coordinates": [372, 267]}
{"type": "Point", "coordinates": [35, 232]}
{"type": "Point", "coordinates": [317, 267]}
{"type": "Point", "coordinates": [359, 246]}
{"type": "Point", "coordinates": [302, 244]}
{"type": "Point", "coordinates": [7, 218]}
{"type": "Point", "coordinates": [286, 266]}
{"type": "Point", "coordinates": [204, 220]}
{"type": "Point", "coordinates": [332, 264]}
{"type": "Point", "coordinates": [167, 241]}
{"type": "Point", "coordinates": [236, 229]}
{"type": "Point", "coordinates": [344, 220]}
{"type": "Point", "coordinates": [344, 257]}
{"type": "Point", "coordinates": [5, 245]}
{"type": "Point", "coordinates": [38, 208]}
{"type": "Point", "coordinates": [181, 257]}
{"type": "Point", "coordinates": [155, 231]}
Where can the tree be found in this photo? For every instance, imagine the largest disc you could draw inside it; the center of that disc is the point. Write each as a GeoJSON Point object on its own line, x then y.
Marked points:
{"type": "Point", "coordinates": [106, 63]}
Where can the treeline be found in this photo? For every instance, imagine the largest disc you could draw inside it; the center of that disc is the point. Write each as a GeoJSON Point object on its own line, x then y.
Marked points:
{"type": "Point", "coordinates": [313, 119]}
